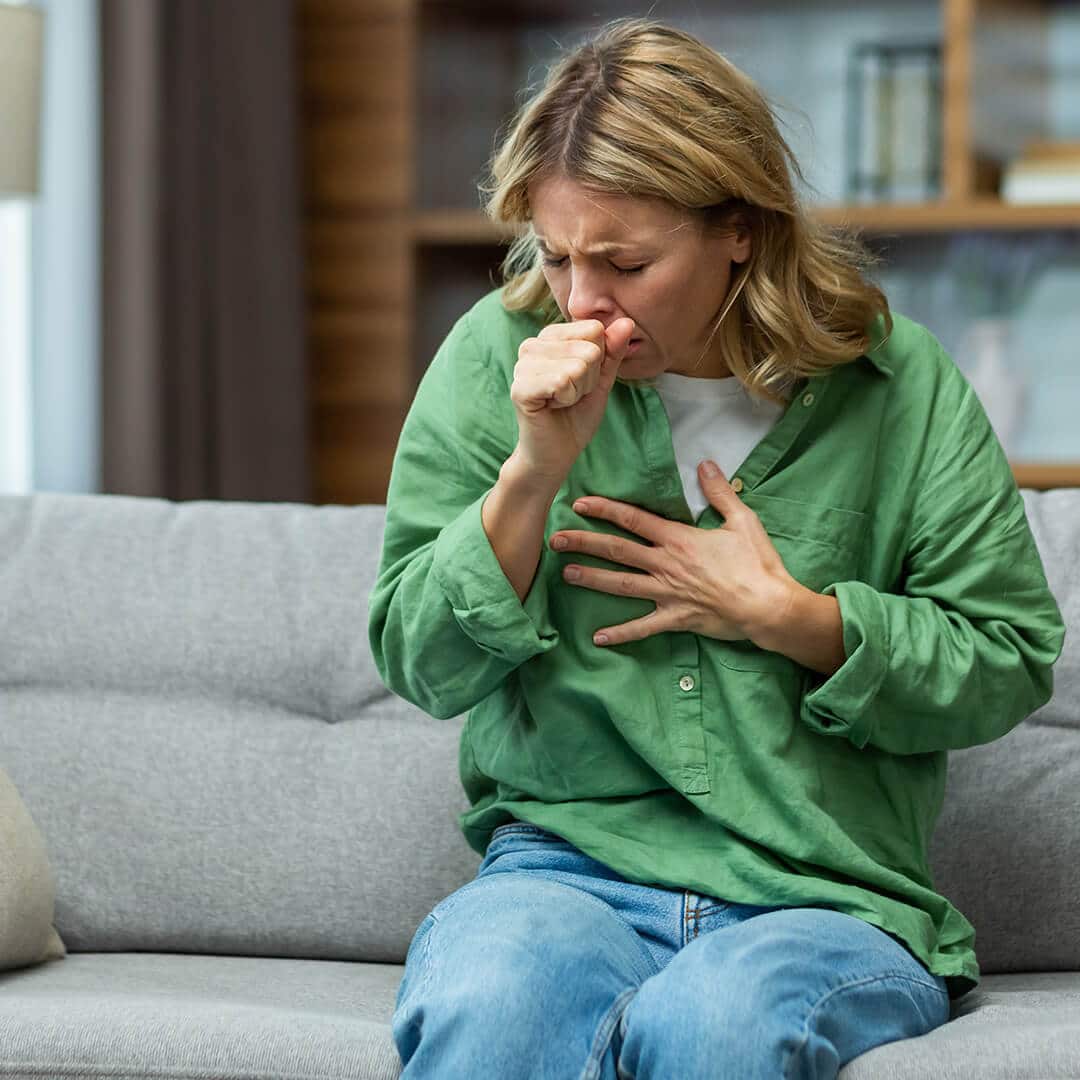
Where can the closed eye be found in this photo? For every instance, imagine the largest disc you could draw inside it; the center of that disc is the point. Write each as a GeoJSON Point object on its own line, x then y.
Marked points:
{"type": "Point", "coordinates": [555, 263]}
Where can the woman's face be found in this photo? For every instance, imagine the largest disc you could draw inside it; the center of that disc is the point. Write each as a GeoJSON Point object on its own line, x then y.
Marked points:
{"type": "Point", "coordinates": [660, 268]}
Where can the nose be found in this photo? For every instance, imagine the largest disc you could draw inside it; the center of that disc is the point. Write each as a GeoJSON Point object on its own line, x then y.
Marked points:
{"type": "Point", "coordinates": [589, 298]}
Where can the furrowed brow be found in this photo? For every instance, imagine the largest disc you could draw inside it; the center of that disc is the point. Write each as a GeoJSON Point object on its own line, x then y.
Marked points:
{"type": "Point", "coordinates": [599, 249]}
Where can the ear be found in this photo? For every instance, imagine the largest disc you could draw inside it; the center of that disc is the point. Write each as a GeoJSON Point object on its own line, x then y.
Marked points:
{"type": "Point", "coordinates": [742, 239]}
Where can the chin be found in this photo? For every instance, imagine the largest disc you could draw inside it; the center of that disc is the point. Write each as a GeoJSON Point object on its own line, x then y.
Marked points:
{"type": "Point", "coordinates": [629, 369]}
{"type": "Point", "coordinates": [633, 372]}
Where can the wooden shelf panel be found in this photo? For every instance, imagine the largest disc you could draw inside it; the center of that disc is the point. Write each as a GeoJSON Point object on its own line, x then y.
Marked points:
{"type": "Point", "coordinates": [458, 227]}
{"type": "Point", "coordinates": [952, 216]}
{"type": "Point", "coordinates": [1056, 475]}
{"type": "Point", "coordinates": [455, 227]}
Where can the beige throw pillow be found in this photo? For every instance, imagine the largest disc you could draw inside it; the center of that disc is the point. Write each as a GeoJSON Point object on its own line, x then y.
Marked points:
{"type": "Point", "coordinates": [27, 891]}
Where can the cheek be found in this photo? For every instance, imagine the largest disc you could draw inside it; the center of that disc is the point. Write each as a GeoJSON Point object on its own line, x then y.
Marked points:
{"type": "Point", "coordinates": [667, 298]}
{"type": "Point", "coordinates": [560, 292]}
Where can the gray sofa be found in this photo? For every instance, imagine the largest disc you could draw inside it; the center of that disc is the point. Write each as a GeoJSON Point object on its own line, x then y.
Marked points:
{"type": "Point", "coordinates": [246, 828]}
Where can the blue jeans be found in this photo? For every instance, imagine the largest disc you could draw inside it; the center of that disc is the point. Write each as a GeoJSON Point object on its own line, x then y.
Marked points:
{"type": "Point", "coordinates": [551, 966]}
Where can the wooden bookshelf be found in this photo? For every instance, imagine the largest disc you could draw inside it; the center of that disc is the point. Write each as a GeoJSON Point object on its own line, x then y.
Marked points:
{"type": "Point", "coordinates": [396, 248]}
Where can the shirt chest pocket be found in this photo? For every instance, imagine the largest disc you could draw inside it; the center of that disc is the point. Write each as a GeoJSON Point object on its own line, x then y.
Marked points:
{"type": "Point", "coordinates": [819, 545]}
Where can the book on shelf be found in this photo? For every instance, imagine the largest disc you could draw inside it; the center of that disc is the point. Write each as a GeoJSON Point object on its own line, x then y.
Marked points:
{"type": "Point", "coordinates": [1046, 172]}
{"type": "Point", "coordinates": [912, 176]}
{"type": "Point", "coordinates": [893, 122]}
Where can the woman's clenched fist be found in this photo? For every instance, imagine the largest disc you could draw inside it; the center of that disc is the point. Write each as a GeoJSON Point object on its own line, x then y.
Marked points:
{"type": "Point", "coordinates": [561, 384]}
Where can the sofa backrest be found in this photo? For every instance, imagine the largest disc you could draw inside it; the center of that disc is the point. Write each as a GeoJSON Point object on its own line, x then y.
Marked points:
{"type": "Point", "coordinates": [1006, 850]}
{"type": "Point", "coordinates": [189, 708]}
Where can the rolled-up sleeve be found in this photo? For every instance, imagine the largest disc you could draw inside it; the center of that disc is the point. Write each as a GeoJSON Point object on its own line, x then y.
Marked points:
{"type": "Point", "coordinates": [444, 623]}
{"type": "Point", "coordinates": [481, 597]}
{"type": "Point", "coordinates": [963, 648]}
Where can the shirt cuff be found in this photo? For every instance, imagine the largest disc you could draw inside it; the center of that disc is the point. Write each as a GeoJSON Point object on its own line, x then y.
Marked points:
{"type": "Point", "coordinates": [843, 703]}
{"type": "Point", "coordinates": [483, 601]}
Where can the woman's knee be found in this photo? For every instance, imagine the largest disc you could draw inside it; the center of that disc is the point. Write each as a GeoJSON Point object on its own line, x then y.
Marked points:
{"type": "Point", "coordinates": [775, 993]}
{"type": "Point", "coordinates": [510, 963]}
{"type": "Point", "coordinates": [519, 943]}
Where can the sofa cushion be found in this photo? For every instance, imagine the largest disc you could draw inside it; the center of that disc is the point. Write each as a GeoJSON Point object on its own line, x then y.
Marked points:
{"type": "Point", "coordinates": [132, 1015]}
{"type": "Point", "coordinates": [27, 935]}
{"type": "Point", "coordinates": [1021, 1025]}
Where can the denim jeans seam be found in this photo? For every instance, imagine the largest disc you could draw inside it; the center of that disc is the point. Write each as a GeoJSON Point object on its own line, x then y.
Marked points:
{"type": "Point", "coordinates": [454, 896]}
{"type": "Point", "coordinates": [510, 830]}
{"type": "Point", "coordinates": [795, 1051]}
{"type": "Point", "coordinates": [423, 961]}
{"type": "Point", "coordinates": [713, 909]}
{"type": "Point", "coordinates": [530, 833]}
{"type": "Point", "coordinates": [426, 953]}
{"type": "Point", "coordinates": [688, 920]}
{"type": "Point", "coordinates": [692, 917]}
{"type": "Point", "coordinates": [604, 1032]}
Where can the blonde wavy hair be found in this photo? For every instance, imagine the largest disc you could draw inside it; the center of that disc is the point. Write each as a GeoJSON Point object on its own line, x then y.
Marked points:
{"type": "Point", "coordinates": [644, 109]}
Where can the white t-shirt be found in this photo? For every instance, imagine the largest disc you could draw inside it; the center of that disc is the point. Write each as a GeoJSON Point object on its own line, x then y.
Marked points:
{"type": "Point", "coordinates": [712, 418]}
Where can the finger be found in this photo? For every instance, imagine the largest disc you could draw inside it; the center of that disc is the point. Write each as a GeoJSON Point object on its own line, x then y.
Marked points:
{"type": "Point", "coordinates": [584, 329]}
{"type": "Point", "coordinates": [715, 487]}
{"type": "Point", "coordinates": [573, 382]}
{"type": "Point", "coordinates": [591, 367]}
{"type": "Point", "coordinates": [617, 336]}
{"type": "Point", "coordinates": [580, 371]}
{"type": "Point", "coordinates": [635, 630]}
{"type": "Point", "coordinates": [567, 394]}
{"type": "Point", "coordinates": [615, 583]}
{"type": "Point", "coordinates": [631, 518]}
{"type": "Point", "coordinates": [615, 549]}
{"type": "Point", "coordinates": [617, 341]}
{"type": "Point", "coordinates": [532, 391]}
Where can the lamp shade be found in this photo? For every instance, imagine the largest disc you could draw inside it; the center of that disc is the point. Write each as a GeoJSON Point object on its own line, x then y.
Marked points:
{"type": "Point", "coordinates": [21, 33]}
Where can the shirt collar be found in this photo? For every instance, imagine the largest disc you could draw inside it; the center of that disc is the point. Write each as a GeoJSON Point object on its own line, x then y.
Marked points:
{"type": "Point", "coordinates": [876, 351]}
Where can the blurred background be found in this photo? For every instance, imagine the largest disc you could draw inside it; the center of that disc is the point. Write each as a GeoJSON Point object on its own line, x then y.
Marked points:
{"type": "Point", "coordinates": [234, 232]}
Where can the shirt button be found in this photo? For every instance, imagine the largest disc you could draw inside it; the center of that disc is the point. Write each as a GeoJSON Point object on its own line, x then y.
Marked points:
{"type": "Point", "coordinates": [686, 682]}
{"type": "Point", "coordinates": [736, 484]}
{"type": "Point", "coordinates": [808, 399]}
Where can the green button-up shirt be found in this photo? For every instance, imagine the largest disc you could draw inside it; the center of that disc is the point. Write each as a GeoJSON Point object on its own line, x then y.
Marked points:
{"type": "Point", "coordinates": [683, 761]}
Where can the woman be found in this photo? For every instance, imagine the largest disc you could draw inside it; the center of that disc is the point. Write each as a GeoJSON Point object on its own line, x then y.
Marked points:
{"type": "Point", "coordinates": [703, 772]}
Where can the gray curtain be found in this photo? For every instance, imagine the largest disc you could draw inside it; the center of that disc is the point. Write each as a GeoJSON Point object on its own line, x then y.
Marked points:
{"type": "Point", "coordinates": [205, 388]}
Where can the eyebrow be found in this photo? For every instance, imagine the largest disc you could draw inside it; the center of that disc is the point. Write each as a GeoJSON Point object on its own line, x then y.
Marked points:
{"type": "Point", "coordinates": [599, 249]}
